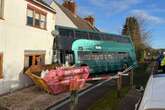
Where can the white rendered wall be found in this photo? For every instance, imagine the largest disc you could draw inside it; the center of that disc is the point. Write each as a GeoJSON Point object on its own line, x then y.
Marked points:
{"type": "Point", "coordinates": [61, 18]}
{"type": "Point", "coordinates": [15, 38]}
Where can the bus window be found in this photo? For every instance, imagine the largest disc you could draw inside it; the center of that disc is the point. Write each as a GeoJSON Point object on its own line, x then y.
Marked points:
{"type": "Point", "coordinates": [84, 55]}
{"type": "Point", "coordinates": [66, 32]}
{"type": "Point", "coordinates": [102, 37]}
{"type": "Point", "coordinates": [109, 56]}
{"type": "Point", "coordinates": [105, 56]}
{"type": "Point", "coordinates": [101, 56]}
{"type": "Point", "coordinates": [81, 35]}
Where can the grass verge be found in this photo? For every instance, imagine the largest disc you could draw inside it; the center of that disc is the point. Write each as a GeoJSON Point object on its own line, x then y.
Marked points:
{"type": "Point", "coordinates": [109, 100]}
{"type": "Point", "coordinates": [141, 75]}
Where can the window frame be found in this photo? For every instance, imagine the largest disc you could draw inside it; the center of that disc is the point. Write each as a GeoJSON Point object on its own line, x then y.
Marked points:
{"type": "Point", "coordinates": [1, 65]}
{"type": "Point", "coordinates": [34, 57]}
{"type": "Point", "coordinates": [27, 17]}
{"type": "Point", "coordinates": [2, 9]}
{"type": "Point", "coordinates": [38, 11]}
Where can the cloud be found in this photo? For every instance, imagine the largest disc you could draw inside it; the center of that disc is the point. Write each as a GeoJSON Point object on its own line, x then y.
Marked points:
{"type": "Point", "coordinates": [114, 6]}
{"type": "Point", "coordinates": [147, 17]}
{"type": "Point", "coordinates": [84, 11]}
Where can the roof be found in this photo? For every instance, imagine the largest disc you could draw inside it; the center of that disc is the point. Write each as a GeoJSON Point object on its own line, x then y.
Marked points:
{"type": "Point", "coordinates": [44, 4]}
{"type": "Point", "coordinates": [77, 20]}
{"type": "Point", "coordinates": [154, 97]}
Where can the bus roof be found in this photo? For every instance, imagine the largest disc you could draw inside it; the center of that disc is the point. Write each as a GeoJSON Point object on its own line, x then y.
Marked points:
{"type": "Point", "coordinates": [94, 45]}
{"type": "Point", "coordinates": [154, 95]}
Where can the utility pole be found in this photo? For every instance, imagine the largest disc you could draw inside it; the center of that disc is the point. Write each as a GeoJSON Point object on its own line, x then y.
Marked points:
{"type": "Point", "coordinates": [74, 100]}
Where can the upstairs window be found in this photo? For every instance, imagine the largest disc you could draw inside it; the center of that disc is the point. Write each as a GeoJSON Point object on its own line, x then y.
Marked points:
{"type": "Point", "coordinates": [1, 8]}
{"type": "Point", "coordinates": [36, 18]}
{"type": "Point", "coordinates": [30, 17]}
{"type": "Point", "coordinates": [43, 21]}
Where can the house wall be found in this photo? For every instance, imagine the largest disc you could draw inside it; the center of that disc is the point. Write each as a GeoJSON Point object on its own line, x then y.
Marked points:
{"type": "Point", "coordinates": [15, 38]}
{"type": "Point", "coordinates": [61, 18]}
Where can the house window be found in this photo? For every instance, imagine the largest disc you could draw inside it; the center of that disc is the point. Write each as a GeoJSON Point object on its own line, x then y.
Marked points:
{"type": "Point", "coordinates": [30, 17]}
{"type": "Point", "coordinates": [1, 8]}
{"type": "Point", "coordinates": [43, 21]}
{"type": "Point", "coordinates": [36, 18]}
{"type": "Point", "coordinates": [1, 65]}
{"type": "Point", "coordinates": [34, 60]}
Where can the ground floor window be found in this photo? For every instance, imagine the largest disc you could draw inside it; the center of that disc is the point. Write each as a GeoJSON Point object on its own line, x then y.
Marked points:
{"type": "Point", "coordinates": [34, 58]}
{"type": "Point", "coordinates": [1, 65]}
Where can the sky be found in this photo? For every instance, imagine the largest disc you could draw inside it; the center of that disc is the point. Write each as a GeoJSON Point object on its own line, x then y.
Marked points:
{"type": "Point", "coordinates": [110, 16]}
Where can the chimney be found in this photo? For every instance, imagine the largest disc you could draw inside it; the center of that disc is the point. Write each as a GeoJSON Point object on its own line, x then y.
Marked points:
{"type": "Point", "coordinates": [70, 5]}
{"type": "Point", "coordinates": [90, 19]}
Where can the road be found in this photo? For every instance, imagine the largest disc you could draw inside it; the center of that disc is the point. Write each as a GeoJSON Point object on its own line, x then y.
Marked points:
{"type": "Point", "coordinates": [87, 99]}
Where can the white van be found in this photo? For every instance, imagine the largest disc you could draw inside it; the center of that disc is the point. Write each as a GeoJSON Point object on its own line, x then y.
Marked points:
{"type": "Point", "coordinates": [154, 95]}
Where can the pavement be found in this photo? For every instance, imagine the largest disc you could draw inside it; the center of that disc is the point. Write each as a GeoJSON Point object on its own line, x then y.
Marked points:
{"type": "Point", "coordinates": [31, 98]}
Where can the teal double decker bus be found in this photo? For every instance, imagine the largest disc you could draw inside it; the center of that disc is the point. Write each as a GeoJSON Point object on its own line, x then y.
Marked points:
{"type": "Point", "coordinates": [103, 56]}
{"type": "Point", "coordinates": [100, 51]}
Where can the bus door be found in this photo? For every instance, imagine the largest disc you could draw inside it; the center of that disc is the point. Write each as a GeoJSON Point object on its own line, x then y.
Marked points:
{"type": "Point", "coordinates": [69, 57]}
{"type": "Point", "coordinates": [66, 57]}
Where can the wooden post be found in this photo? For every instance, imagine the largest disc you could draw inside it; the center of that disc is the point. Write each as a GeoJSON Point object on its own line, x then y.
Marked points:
{"type": "Point", "coordinates": [74, 100]}
{"type": "Point", "coordinates": [119, 85]}
{"type": "Point", "coordinates": [131, 78]}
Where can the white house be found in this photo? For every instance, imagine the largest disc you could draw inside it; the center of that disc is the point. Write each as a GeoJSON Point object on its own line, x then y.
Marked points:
{"type": "Point", "coordinates": [61, 18]}
{"type": "Point", "coordinates": [25, 40]}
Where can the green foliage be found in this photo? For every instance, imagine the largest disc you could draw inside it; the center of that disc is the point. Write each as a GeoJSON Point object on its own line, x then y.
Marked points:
{"type": "Point", "coordinates": [110, 100]}
{"type": "Point", "coordinates": [141, 75]}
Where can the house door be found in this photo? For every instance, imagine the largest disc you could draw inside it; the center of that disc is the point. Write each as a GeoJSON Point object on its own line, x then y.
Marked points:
{"type": "Point", "coordinates": [1, 65]}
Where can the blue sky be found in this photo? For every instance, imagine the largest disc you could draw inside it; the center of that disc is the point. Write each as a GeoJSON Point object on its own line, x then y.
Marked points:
{"type": "Point", "coordinates": [110, 15]}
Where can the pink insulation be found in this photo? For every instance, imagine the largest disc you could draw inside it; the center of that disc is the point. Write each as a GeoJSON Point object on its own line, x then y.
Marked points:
{"type": "Point", "coordinates": [65, 79]}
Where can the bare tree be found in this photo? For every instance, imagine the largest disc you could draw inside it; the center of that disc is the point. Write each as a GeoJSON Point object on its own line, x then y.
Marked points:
{"type": "Point", "coordinates": [146, 33]}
